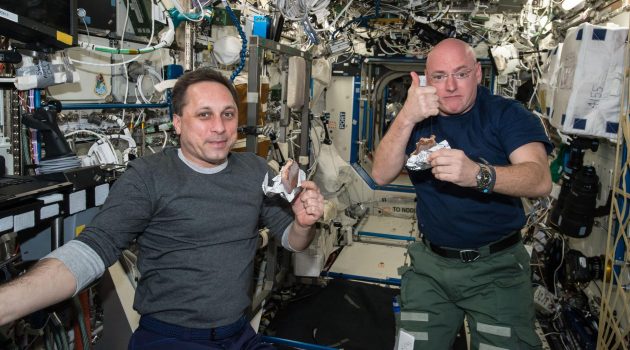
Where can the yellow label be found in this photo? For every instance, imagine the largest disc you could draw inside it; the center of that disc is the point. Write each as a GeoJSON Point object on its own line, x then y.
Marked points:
{"type": "Point", "coordinates": [64, 38]}
{"type": "Point", "coordinates": [385, 21]}
{"type": "Point", "coordinates": [78, 230]}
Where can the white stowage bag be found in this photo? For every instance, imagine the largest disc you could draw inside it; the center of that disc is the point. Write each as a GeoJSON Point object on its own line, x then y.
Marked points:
{"type": "Point", "coordinates": [227, 50]}
{"type": "Point", "coordinates": [549, 80]}
{"type": "Point", "coordinates": [587, 97]}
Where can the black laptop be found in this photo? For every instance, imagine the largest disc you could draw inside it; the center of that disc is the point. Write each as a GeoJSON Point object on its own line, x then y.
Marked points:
{"type": "Point", "coordinates": [14, 188]}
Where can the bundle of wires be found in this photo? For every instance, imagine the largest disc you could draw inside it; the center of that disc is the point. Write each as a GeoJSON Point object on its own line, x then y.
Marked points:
{"type": "Point", "coordinates": [298, 10]}
{"type": "Point", "coordinates": [55, 336]}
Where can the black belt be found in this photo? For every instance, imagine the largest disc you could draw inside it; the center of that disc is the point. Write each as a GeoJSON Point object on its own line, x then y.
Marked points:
{"type": "Point", "coordinates": [468, 255]}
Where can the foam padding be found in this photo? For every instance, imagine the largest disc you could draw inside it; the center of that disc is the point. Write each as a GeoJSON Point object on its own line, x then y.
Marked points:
{"type": "Point", "coordinates": [296, 82]}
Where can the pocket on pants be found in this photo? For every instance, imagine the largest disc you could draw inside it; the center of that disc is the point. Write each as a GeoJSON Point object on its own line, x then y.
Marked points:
{"type": "Point", "coordinates": [512, 269]}
{"type": "Point", "coordinates": [404, 285]}
{"type": "Point", "coordinates": [528, 338]}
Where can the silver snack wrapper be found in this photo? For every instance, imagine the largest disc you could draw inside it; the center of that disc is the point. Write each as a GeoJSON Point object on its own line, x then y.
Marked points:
{"type": "Point", "coordinates": [419, 161]}
{"type": "Point", "coordinates": [278, 188]}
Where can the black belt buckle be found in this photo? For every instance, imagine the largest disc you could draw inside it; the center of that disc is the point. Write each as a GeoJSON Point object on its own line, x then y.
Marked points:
{"type": "Point", "coordinates": [468, 255]}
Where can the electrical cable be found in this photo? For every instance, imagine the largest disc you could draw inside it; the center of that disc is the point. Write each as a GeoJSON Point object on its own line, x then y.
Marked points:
{"type": "Point", "coordinates": [105, 64]}
{"type": "Point", "coordinates": [119, 63]}
{"type": "Point", "coordinates": [87, 30]}
{"type": "Point", "coordinates": [360, 19]}
{"type": "Point", "coordinates": [341, 13]}
{"type": "Point", "coordinates": [294, 11]}
{"type": "Point", "coordinates": [555, 272]}
{"type": "Point", "coordinates": [165, 138]}
{"type": "Point", "coordinates": [131, 149]}
{"type": "Point", "coordinates": [165, 40]}
{"type": "Point", "coordinates": [182, 13]}
{"type": "Point", "coordinates": [126, 71]}
{"type": "Point", "coordinates": [124, 29]}
{"type": "Point", "coordinates": [434, 18]}
{"type": "Point", "coordinates": [139, 83]}
{"type": "Point", "coordinates": [56, 339]}
{"type": "Point", "coordinates": [120, 45]}
{"type": "Point", "coordinates": [80, 342]}
{"type": "Point", "coordinates": [47, 340]}
{"type": "Point", "coordinates": [102, 139]}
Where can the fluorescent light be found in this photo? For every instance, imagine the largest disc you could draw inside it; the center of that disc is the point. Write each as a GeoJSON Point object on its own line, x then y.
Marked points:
{"type": "Point", "coordinates": [570, 4]}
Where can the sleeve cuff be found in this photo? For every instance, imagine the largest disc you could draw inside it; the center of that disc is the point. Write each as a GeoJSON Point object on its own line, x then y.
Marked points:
{"type": "Point", "coordinates": [285, 239]}
{"type": "Point", "coordinates": [82, 261]}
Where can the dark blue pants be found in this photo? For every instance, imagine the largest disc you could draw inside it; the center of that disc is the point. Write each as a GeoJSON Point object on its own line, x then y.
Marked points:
{"type": "Point", "coordinates": [153, 334]}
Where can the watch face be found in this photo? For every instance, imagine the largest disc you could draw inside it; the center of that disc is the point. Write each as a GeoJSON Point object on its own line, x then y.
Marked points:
{"type": "Point", "coordinates": [483, 177]}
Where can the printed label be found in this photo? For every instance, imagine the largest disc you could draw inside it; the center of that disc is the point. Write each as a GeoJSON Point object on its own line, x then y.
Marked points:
{"type": "Point", "coordinates": [342, 120]}
{"type": "Point", "coordinates": [8, 15]}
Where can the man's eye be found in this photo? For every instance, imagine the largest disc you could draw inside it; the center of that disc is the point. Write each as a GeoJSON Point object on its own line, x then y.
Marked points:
{"type": "Point", "coordinates": [461, 75]}
{"type": "Point", "coordinates": [229, 115]}
{"type": "Point", "coordinates": [439, 77]}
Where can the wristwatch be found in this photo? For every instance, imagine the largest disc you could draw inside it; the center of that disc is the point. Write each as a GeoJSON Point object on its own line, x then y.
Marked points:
{"type": "Point", "coordinates": [486, 178]}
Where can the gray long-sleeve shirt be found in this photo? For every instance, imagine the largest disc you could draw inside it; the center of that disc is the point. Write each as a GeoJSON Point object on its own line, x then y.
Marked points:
{"type": "Point", "coordinates": [197, 235]}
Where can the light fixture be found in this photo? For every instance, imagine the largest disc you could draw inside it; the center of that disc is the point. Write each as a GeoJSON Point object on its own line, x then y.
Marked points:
{"type": "Point", "coordinates": [570, 4]}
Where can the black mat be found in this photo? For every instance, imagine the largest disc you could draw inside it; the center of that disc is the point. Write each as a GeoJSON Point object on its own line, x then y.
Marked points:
{"type": "Point", "coordinates": [344, 314]}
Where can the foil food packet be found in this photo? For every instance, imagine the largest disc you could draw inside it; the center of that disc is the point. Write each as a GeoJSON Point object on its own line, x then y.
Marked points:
{"type": "Point", "coordinates": [419, 161]}
{"type": "Point", "coordinates": [287, 183]}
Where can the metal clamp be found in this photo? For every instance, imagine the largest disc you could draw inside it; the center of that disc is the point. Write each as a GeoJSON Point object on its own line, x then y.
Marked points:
{"type": "Point", "coordinates": [468, 255]}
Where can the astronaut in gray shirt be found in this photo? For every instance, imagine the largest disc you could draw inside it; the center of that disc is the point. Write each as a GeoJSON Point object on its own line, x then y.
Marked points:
{"type": "Point", "coordinates": [194, 213]}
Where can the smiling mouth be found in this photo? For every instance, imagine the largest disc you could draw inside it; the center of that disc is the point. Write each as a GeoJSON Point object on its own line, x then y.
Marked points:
{"type": "Point", "coordinates": [217, 143]}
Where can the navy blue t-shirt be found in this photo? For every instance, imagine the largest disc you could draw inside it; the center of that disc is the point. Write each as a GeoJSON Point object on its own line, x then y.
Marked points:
{"type": "Point", "coordinates": [461, 217]}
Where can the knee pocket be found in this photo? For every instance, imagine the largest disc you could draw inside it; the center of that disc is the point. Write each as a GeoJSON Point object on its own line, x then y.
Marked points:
{"type": "Point", "coordinates": [412, 289]}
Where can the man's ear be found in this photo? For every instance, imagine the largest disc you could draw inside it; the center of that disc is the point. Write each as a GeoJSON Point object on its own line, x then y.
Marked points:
{"type": "Point", "coordinates": [478, 73]}
{"type": "Point", "coordinates": [177, 123]}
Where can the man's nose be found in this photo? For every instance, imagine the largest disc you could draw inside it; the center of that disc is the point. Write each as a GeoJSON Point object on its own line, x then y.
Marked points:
{"type": "Point", "coordinates": [217, 124]}
{"type": "Point", "coordinates": [451, 83]}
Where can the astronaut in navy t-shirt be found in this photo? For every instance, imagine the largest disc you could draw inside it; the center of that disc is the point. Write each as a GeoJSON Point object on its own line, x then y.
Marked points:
{"type": "Point", "coordinates": [468, 204]}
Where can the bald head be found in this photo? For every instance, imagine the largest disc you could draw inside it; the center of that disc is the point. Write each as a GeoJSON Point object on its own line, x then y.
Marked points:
{"type": "Point", "coordinates": [452, 48]}
{"type": "Point", "coordinates": [453, 70]}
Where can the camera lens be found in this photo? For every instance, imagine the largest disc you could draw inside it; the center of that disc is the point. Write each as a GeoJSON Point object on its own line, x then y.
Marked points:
{"type": "Point", "coordinates": [578, 212]}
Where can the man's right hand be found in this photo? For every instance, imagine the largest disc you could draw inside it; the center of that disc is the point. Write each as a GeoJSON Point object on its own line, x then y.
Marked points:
{"type": "Point", "coordinates": [389, 158]}
{"type": "Point", "coordinates": [421, 103]}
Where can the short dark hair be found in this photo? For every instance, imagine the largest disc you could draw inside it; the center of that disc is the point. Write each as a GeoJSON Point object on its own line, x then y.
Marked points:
{"type": "Point", "coordinates": [197, 76]}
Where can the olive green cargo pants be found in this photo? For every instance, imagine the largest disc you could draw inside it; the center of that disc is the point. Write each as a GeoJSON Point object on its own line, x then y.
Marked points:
{"type": "Point", "coordinates": [494, 292]}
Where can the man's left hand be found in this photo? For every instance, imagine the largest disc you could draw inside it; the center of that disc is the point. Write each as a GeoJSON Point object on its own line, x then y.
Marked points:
{"type": "Point", "coordinates": [308, 207]}
{"type": "Point", "coordinates": [454, 166]}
